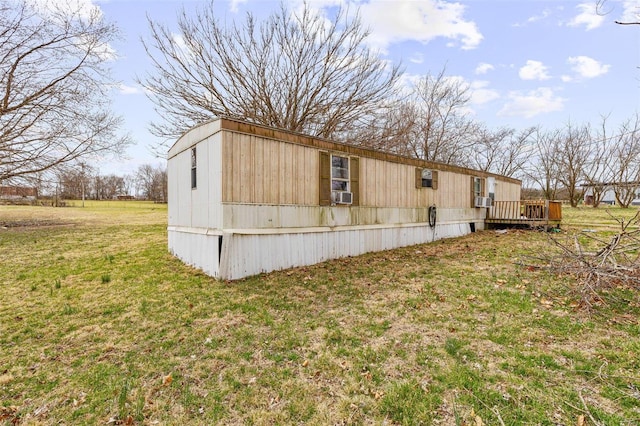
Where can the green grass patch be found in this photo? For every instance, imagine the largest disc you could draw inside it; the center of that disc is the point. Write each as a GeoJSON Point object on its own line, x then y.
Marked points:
{"type": "Point", "coordinates": [100, 324]}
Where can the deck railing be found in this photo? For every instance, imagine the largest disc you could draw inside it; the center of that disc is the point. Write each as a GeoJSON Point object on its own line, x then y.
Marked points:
{"type": "Point", "coordinates": [529, 210]}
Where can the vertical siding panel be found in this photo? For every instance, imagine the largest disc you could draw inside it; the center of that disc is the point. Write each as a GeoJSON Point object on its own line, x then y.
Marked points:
{"type": "Point", "coordinates": [285, 189]}
{"type": "Point", "coordinates": [355, 180]}
{"type": "Point", "coordinates": [364, 167]}
{"type": "Point", "coordinates": [260, 163]}
{"type": "Point", "coordinates": [406, 186]}
{"type": "Point", "coordinates": [254, 165]}
{"type": "Point", "coordinates": [245, 189]}
{"type": "Point", "coordinates": [226, 178]}
{"type": "Point", "coordinates": [472, 192]}
{"type": "Point", "coordinates": [311, 176]}
{"type": "Point", "coordinates": [392, 185]}
{"type": "Point", "coordinates": [274, 182]}
{"type": "Point", "coordinates": [285, 183]}
{"type": "Point", "coordinates": [325, 179]}
{"type": "Point", "coordinates": [293, 161]}
{"type": "Point", "coordinates": [307, 191]}
{"type": "Point", "coordinates": [234, 153]}
{"type": "Point", "coordinates": [301, 167]}
{"type": "Point", "coordinates": [379, 188]}
{"type": "Point", "coordinates": [227, 168]}
{"type": "Point", "coordinates": [296, 176]}
{"type": "Point", "coordinates": [229, 165]}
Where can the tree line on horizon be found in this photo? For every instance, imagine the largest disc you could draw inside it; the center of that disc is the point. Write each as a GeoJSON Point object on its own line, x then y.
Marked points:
{"type": "Point", "coordinates": [294, 70]}
{"type": "Point", "coordinates": [148, 182]}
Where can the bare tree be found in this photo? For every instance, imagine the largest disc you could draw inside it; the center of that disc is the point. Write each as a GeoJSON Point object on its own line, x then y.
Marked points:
{"type": "Point", "coordinates": [597, 171]}
{"type": "Point", "coordinates": [625, 155]}
{"type": "Point", "coordinates": [152, 182]}
{"type": "Point", "coordinates": [575, 149]}
{"type": "Point", "coordinates": [394, 129]}
{"type": "Point", "coordinates": [76, 181]}
{"type": "Point", "coordinates": [443, 129]}
{"type": "Point", "coordinates": [294, 70]}
{"type": "Point", "coordinates": [543, 167]}
{"type": "Point", "coordinates": [504, 151]}
{"type": "Point", "coordinates": [53, 88]}
{"type": "Point", "coordinates": [429, 122]}
{"type": "Point", "coordinates": [108, 187]}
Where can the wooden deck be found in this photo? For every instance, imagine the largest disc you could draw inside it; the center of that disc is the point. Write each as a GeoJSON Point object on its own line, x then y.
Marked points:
{"type": "Point", "coordinates": [533, 213]}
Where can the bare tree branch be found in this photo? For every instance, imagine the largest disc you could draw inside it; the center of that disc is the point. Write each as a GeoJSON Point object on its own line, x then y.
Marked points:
{"type": "Point", "coordinates": [53, 88]}
{"type": "Point", "coordinates": [294, 70]}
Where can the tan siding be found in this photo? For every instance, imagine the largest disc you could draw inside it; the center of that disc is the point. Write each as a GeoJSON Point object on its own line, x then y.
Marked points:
{"type": "Point", "coordinates": [507, 191]}
{"type": "Point", "coordinates": [453, 190]}
{"type": "Point", "coordinates": [298, 139]}
{"type": "Point", "coordinates": [259, 167]}
{"type": "Point", "coordinates": [258, 170]}
{"type": "Point", "coordinates": [266, 171]}
{"type": "Point", "coordinates": [385, 184]}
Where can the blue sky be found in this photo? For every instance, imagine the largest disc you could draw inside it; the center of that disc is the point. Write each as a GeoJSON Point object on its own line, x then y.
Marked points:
{"type": "Point", "coordinates": [527, 62]}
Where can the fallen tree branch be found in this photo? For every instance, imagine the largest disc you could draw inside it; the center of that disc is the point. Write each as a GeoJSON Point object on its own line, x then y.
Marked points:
{"type": "Point", "coordinates": [597, 264]}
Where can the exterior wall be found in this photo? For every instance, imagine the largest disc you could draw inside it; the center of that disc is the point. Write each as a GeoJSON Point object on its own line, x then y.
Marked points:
{"type": "Point", "coordinates": [200, 207]}
{"type": "Point", "coordinates": [257, 207]}
{"type": "Point", "coordinates": [244, 254]}
{"type": "Point", "coordinates": [260, 170]}
{"type": "Point", "coordinates": [506, 191]}
{"type": "Point", "coordinates": [196, 247]}
{"type": "Point", "coordinates": [608, 196]}
{"type": "Point", "coordinates": [195, 215]}
{"type": "Point", "coordinates": [265, 171]}
{"type": "Point", "coordinates": [18, 193]}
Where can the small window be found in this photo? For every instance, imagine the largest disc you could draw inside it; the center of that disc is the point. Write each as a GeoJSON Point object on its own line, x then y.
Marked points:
{"type": "Point", "coordinates": [339, 173]}
{"type": "Point", "coordinates": [477, 187]}
{"type": "Point", "coordinates": [193, 168]}
{"type": "Point", "coordinates": [427, 178]}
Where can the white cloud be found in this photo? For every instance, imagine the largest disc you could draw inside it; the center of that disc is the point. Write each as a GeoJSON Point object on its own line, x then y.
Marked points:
{"type": "Point", "coordinates": [532, 103]}
{"type": "Point", "coordinates": [588, 16]}
{"type": "Point", "coordinates": [630, 11]}
{"type": "Point", "coordinates": [534, 70]}
{"type": "Point", "coordinates": [129, 90]}
{"type": "Point", "coordinates": [233, 7]}
{"type": "Point", "coordinates": [77, 10]}
{"type": "Point", "coordinates": [81, 8]}
{"type": "Point", "coordinates": [480, 94]}
{"type": "Point", "coordinates": [545, 13]}
{"type": "Point", "coordinates": [417, 58]}
{"type": "Point", "coordinates": [587, 67]}
{"type": "Point", "coordinates": [542, 16]}
{"type": "Point", "coordinates": [422, 21]}
{"type": "Point", "coordinates": [483, 68]}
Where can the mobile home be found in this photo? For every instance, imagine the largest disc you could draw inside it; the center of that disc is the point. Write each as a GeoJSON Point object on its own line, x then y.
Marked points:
{"type": "Point", "coordinates": [246, 199]}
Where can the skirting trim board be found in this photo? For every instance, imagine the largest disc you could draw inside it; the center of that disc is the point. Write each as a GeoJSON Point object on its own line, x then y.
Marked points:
{"type": "Point", "coordinates": [231, 256]}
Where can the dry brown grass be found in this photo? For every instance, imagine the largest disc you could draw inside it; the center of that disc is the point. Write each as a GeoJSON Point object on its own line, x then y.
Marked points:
{"type": "Point", "coordinates": [442, 333]}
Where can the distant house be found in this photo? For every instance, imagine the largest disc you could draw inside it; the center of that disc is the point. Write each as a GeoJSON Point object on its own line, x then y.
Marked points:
{"type": "Point", "coordinates": [18, 193]}
{"type": "Point", "coordinates": [606, 192]}
{"type": "Point", "coordinates": [246, 199]}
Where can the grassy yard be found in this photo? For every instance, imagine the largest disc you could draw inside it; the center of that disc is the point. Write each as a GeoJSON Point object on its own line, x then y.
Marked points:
{"type": "Point", "coordinates": [99, 324]}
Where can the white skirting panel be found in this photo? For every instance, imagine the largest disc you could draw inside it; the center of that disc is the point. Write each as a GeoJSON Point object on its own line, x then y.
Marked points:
{"type": "Point", "coordinates": [197, 249]}
{"type": "Point", "coordinates": [250, 254]}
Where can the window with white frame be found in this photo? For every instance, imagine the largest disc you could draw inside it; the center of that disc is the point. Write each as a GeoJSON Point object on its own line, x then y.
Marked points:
{"type": "Point", "coordinates": [194, 162]}
{"type": "Point", "coordinates": [339, 173]}
{"type": "Point", "coordinates": [477, 187]}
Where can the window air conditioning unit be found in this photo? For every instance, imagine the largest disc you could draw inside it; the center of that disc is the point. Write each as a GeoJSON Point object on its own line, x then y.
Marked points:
{"type": "Point", "coordinates": [340, 197]}
{"type": "Point", "coordinates": [483, 202]}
